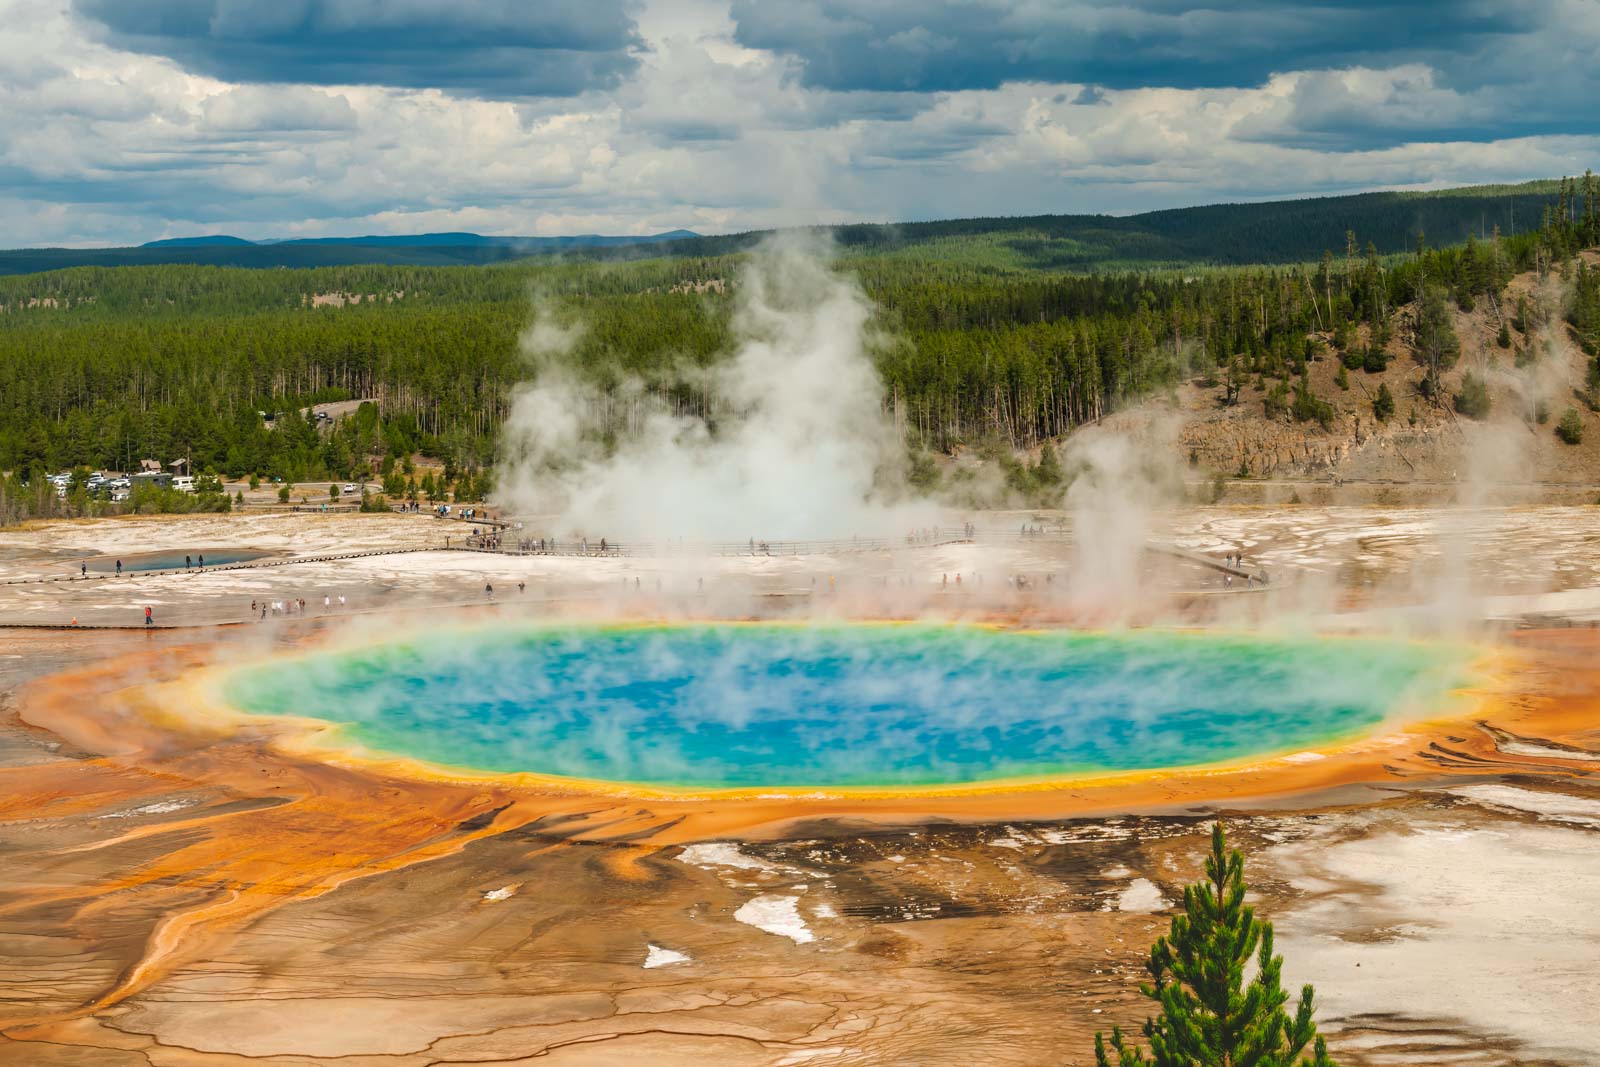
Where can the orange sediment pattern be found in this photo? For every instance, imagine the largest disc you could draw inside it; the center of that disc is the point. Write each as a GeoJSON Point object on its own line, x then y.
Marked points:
{"type": "Point", "coordinates": [198, 703]}
{"type": "Point", "coordinates": [281, 820]}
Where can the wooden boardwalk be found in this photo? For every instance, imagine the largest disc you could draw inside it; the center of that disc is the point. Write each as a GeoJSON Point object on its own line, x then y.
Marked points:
{"type": "Point", "coordinates": [577, 549]}
{"type": "Point", "coordinates": [249, 564]}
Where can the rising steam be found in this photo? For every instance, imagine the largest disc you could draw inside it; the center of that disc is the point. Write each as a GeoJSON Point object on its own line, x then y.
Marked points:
{"type": "Point", "coordinates": [798, 445]}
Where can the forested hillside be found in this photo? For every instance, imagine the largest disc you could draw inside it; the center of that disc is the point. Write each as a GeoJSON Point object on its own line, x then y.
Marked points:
{"type": "Point", "coordinates": [1285, 231]}
{"type": "Point", "coordinates": [101, 367]}
{"type": "Point", "coordinates": [432, 249]}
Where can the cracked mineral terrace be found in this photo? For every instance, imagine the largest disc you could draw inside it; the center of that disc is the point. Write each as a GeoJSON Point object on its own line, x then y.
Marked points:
{"type": "Point", "coordinates": [184, 898]}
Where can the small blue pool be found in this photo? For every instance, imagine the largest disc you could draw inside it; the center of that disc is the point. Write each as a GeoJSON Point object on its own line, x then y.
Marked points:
{"type": "Point", "coordinates": [174, 560]}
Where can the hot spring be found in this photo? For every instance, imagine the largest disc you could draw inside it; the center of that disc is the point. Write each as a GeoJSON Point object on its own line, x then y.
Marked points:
{"type": "Point", "coordinates": [740, 706]}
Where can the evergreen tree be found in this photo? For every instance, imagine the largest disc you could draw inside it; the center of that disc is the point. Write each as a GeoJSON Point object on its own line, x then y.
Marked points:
{"type": "Point", "coordinates": [1570, 428]}
{"type": "Point", "coordinates": [1437, 343]}
{"type": "Point", "coordinates": [1210, 1016]}
{"type": "Point", "coordinates": [1473, 400]}
{"type": "Point", "coordinates": [1048, 473]}
{"type": "Point", "coordinates": [1383, 403]}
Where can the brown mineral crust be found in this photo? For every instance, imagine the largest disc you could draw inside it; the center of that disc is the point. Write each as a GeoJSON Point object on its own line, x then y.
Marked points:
{"type": "Point", "coordinates": [252, 905]}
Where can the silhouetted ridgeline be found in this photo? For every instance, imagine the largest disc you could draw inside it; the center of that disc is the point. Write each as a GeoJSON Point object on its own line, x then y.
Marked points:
{"type": "Point", "coordinates": [428, 249]}
{"type": "Point", "coordinates": [1284, 231]}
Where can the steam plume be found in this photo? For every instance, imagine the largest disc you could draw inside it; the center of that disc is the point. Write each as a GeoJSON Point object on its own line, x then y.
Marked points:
{"type": "Point", "coordinates": [798, 445]}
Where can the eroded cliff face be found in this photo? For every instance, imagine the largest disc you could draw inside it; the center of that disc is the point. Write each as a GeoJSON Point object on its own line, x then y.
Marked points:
{"type": "Point", "coordinates": [1531, 384]}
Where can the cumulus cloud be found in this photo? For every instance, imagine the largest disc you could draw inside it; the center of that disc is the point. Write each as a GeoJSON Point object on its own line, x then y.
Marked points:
{"type": "Point", "coordinates": [120, 122]}
{"type": "Point", "coordinates": [930, 45]}
{"type": "Point", "coordinates": [1371, 73]}
{"type": "Point", "coordinates": [488, 47]}
{"type": "Point", "coordinates": [250, 109]}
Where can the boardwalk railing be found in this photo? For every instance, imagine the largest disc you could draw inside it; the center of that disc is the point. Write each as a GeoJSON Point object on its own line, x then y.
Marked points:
{"type": "Point", "coordinates": [525, 546]}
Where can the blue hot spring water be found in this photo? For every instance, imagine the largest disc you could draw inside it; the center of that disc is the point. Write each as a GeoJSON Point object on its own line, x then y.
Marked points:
{"type": "Point", "coordinates": [172, 560]}
{"type": "Point", "coordinates": [758, 705]}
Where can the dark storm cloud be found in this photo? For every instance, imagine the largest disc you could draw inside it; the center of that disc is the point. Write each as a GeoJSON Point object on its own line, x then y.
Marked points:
{"type": "Point", "coordinates": [494, 48]}
{"type": "Point", "coordinates": [931, 45]}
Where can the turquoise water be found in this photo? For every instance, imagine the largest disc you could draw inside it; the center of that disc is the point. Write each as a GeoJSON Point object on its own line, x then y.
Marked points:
{"type": "Point", "coordinates": [849, 705]}
{"type": "Point", "coordinates": [173, 560]}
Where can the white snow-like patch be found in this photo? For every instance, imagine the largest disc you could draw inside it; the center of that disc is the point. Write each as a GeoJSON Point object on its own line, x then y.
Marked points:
{"type": "Point", "coordinates": [824, 911]}
{"type": "Point", "coordinates": [1014, 839]}
{"type": "Point", "coordinates": [1550, 807]}
{"type": "Point", "coordinates": [776, 915]}
{"type": "Point", "coordinates": [1530, 748]}
{"type": "Point", "coordinates": [1142, 895]}
{"type": "Point", "coordinates": [721, 854]}
{"type": "Point", "coordinates": [1080, 835]}
{"type": "Point", "coordinates": [1303, 757]}
{"type": "Point", "coordinates": [656, 956]}
{"type": "Point", "coordinates": [505, 892]}
{"type": "Point", "coordinates": [160, 807]}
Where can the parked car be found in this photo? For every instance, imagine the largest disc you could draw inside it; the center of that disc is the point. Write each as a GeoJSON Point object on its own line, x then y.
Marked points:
{"type": "Point", "coordinates": [183, 483]}
{"type": "Point", "coordinates": [351, 488]}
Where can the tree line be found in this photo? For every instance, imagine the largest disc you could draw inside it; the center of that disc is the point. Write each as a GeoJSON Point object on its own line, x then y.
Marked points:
{"type": "Point", "coordinates": [100, 368]}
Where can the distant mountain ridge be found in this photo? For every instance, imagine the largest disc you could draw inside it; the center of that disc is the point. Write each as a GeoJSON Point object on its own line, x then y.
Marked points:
{"type": "Point", "coordinates": [424, 240]}
{"type": "Point", "coordinates": [422, 250]}
{"type": "Point", "coordinates": [1263, 232]}
{"type": "Point", "coordinates": [210, 241]}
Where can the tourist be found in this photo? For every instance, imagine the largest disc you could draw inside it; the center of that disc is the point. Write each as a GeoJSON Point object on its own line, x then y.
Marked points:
{"type": "Point", "coordinates": [149, 619]}
{"type": "Point", "coordinates": [341, 602]}
{"type": "Point", "coordinates": [252, 607]}
{"type": "Point", "coordinates": [83, 570]}
{"type": "Point", "coordinates": [202, 562]}
{"type": "Point", "coordinates": [119, 567]}
{"type": "Point", "coordinates": [521, 586]}
{"type": "Point", "coordinates": [327, 601]}
{"type": "Point", "coordinates": [488, 591]}
{"type": "Point", "coordinates": [186, 563]}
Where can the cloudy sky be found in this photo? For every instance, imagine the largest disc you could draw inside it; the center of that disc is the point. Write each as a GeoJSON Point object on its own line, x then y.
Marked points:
{"type": "Point", "coordinates": [127, 120]}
